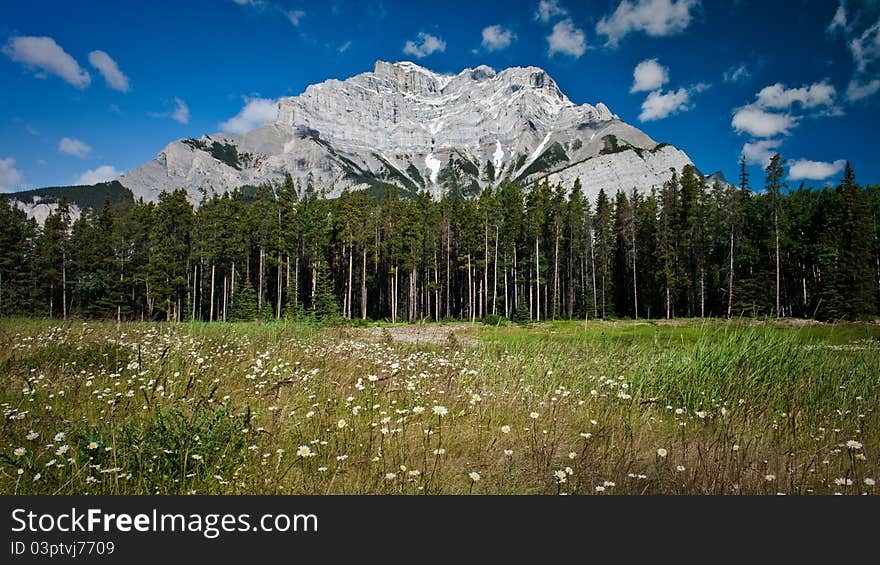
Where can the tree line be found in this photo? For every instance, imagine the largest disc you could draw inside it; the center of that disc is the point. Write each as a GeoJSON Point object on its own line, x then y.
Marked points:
{"type": "Point", "coordinates": [686, 249]}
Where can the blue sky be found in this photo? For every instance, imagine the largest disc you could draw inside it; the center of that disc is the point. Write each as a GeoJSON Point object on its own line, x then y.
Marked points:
{"type": "Point", "coordinates": [92, 89]}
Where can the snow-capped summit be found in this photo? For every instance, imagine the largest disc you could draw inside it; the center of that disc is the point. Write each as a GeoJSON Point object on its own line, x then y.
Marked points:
{"type": "Point", "coordinates": [406, 125]}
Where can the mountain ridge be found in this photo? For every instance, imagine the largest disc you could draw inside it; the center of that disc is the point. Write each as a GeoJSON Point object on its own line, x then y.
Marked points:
{"type": "Point", "coordinates": [403, 124]}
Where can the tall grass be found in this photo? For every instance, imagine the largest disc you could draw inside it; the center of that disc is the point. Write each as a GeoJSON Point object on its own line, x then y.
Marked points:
{"type": "Point", "coordinates": [570, 408]}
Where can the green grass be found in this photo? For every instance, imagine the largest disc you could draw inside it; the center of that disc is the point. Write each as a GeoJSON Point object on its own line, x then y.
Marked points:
{"type": "Point", "coordinates": [734, 407]}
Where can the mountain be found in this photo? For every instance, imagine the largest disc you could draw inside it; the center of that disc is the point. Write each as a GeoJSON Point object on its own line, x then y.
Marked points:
{"type": "Point", "coordinates": [404, 125]}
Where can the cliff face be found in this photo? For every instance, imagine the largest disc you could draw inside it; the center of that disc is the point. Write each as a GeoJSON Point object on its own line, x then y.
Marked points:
{"type": "Point", "coordinates": [403, 124]}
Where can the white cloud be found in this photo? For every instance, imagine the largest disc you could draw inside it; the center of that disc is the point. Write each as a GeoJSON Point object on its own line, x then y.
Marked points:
{"type": "Point", "coordinates": [567, 39]}
{"type": "Point", "coordinates": [657, 18]}
{"type": "Point", "coordinates": [344, 47]}
{"type": "Point", "coordinates": [777, 97]}
{"type": "Point", "coordinates": [649, 75]}
{"type": "Point", "coordinates": [75, 147]}
{"type": "Point", "coordinates": [109, 70]}
{"type": "Point", "coordinates": [256, 112]}
{"type": "Point", "coordinates": [760, 123]}
{"type": "Point", "coordinates": [46, 56]}
{"type": "Point", "coordinates": [549, 9]}
{"type": "Point", "coordinates": [497, 37]}
{"type": "Point", "coordinates": [10, 177]}
{"type": "Point", "coordinates": [103, 173]}
{"type": "Point", "coordinates": [179, 114]}
{"type": "Point", "coordinates": [857, 90]}
{"type": "Point", "coordinates": [424, 45]}
{"type": "Point", "coordinates": [801, 169]}
{"type": "Point", "coordinates": [295, 16]}
{"type": "Point", "coordinates": [865, 48]}
{"type": "Point", "coordinates": [839, 20]}
{"type": "Point", "coordinates": [659, 105]}
{"type": "Point", "coordinates": [737, 73]}
{"type": "Point", "coordinates": [760, 152]}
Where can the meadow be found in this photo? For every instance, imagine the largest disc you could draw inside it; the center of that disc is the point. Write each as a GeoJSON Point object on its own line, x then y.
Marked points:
{"type": "Point", "coordinates": [599, 408]}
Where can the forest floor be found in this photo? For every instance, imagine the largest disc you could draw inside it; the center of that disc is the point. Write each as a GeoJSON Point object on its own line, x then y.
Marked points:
{"type": "Point", "coordinates": [574, 407]}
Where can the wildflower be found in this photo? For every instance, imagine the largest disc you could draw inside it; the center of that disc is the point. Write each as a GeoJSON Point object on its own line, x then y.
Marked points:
{"type": "Point", "coordinates": [32, 435]}
{"type": "Point", "coordinates": [586, 435]}
{"type": "Point", "coordinates": [560, 476]}
{"type": "Point", "coordinates": [505, 429]}
{"type": "Point", "coordinates": [37, 477]}
{"type": "Point", "coordinates": [870, 482]}
{"type": "Point", "coordinates": [50, 463]}
{"type": "Point", "coordinates": [476, 398]}
{"type": "Point", "coordinates": [572, 455]}
{"type": "Point", "coordinates": [440, 410]}
{"type": "Point", "coordinates": [853, 444]}
{"type": "Point", "coordinates": [196, 457]}
{"type": "Point", "coordinates": [19, 452]}
{"type": "Point", "coordinates": [600, 488]}
{"type": "Point", "coordinates": [390, 476]}
{"type": "Point", "coordinates": [661, 452]}
{"type": "Point", "coordinates": [700, 414]}
{"type": "Point", "coordinates": [439, 451]}
{"type": "Point", "coordinates": [62, 450]}
{"type": "Point", "coordinates": [769, 478]}
{"type": "Point", "coordinates": [93, 445]}
{"type": "Point", "coordinates": [20, 471]}
{"type": "Point", "coordinates": [373, 378]}
{"type": "Point", "coordinates": [679, 411]}
{"type": "Point", "coordinates": [310, 413]}
{"type": "Point", "coordinates": [680, 468]}
{"type": "Point", "coordinates": [508, 452]}
{"type": "Point", "coordinates": [534, 415]}
{"type": "Point", "coordinates": [843, 482]}
{"type": "Point", "coordinates": [474, 476]}
{"type": "Point", "coordinates": [609, 484]}
{"type": "Point", "coordinates": [304, 451]}
{"type": "Point", "coordinates": [341, 423]}
{"type": "Point", "coordinates": [60, 436]}
{"type": "Point", "coordinates": [736, 447]}
{"type": "Point", "coordinates": [418, 409]}
{"type": "Point", "coordinates": [341, 457]}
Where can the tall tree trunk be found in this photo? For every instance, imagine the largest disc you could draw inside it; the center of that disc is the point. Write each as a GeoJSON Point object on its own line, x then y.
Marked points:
{"type": "Point", "coordinates": [730, 279]}
{"type": "Point", "coordinates": [278, 297]}
{"type": "Point", "coordinates": [213, 278]}
{"type": "Point", "coordinates": [635, 279]}
{"type": "Point", "coordinates": [350, 279]}
{"type": "Point", "coordinates": [537, 282]}
{"type": "Point", "coordinates": [232, 285]}
{"type": "Point", "coordinates": [260, 281]}
{"type": "Point", "coordinates": [495, 274]}
{"type": "Point", "coordinates": [225, 295]}
{"type": "Point", "coordinates": [470, 289]}
{"type": "Point", "coordinates": [555, 305]}
{"type": "Point", "coordinates": [778, 265]}
{"type": "Point", "coordinates": [195, 302]}
{"type": "Point", "coordinates": [64, 285]}
{"type": "Point", "coordinates": [364, 284]}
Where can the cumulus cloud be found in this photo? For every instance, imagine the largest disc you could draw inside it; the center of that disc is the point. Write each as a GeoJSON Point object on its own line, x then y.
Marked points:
{"type": "Point", "coordinates": [256, 112]}
{"type": "Point", "coordinates": [804, 169]}
{"type": "Point", "coordinates": [857, 90]}
{"type": "Point", "coordinates": [567, 39]}
{"type": "Point", "coordinates": [103, 173]}
{"type": "Point", "coordinates": [548, 10]}
{"type": "Point", "coordinates": [109, 70]}
{"type": "Point", "coordinates": [659, 105]}
{"type": "Point", "coordinates": [777, 109]}
{"type": "Point", "coordinates": [10, 177]}
{"type": "Point", "coordinates": [180, 113]}
{"type": "Point", "coordinates": [656, 18]}
{"type": "Point", "coordinates": [649, 75]}
{"type": "Point", "coordinates": [760, 152]}
{"type": "Point", "coordinates": [760, 123]}
{"type": "Point", "coordinates": [737, 73]}
{"type": "Point", "coordinates": [496, 37]}
{"type": "Point", "coordinates": [75, 147]}
{"type": "Point", "coordinates": [778, 97]}
{"type": "Point", "coordinates": [424, 45]}
{"type": "Point", "coordinates": [44, 56]}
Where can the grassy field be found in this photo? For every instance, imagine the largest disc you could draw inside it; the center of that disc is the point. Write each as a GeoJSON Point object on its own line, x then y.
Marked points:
{"type": "Point", "coordinates": [685, 407]}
